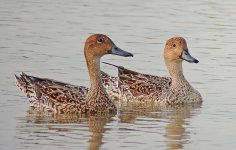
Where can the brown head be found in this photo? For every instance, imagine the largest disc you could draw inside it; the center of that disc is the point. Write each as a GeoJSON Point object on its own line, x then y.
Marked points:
{"type": "Point", "coordinates": [98, 45]}
{"type": "Point", "coordinates": [176, 50]}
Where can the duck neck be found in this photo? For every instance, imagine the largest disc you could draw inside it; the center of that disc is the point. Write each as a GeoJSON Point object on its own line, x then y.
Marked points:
{"type": "Point", "coordinates": [176, 73]}
{"type": "Point", "coordinates": [94, 73]}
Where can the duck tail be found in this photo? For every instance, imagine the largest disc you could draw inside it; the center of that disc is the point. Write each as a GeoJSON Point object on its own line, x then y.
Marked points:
{"type": "Point", "coordinates": [21, 82]}
{"type": "Point", "coordinates": [122, 70]}
{"type": "Point", "coordinates": [25, 83]}
{"type": "Point", "coordinates": [119, 67]}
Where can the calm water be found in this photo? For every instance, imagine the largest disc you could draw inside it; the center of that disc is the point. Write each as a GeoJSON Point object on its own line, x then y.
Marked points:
{"type": "Point", "coordinates": [45, 38]}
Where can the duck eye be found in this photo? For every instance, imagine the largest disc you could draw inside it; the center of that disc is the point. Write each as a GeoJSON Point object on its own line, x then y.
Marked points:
{"type": "Point", "coordinates": [174, 45]}
{"type": "Point", "coordinates": [100, 40]}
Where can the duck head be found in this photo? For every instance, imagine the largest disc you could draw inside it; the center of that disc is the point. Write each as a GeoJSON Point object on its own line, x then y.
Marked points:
{"type": "Point", "coordinates": [98, 45]}
{"type": "Point", "coordinates": [176, 50]}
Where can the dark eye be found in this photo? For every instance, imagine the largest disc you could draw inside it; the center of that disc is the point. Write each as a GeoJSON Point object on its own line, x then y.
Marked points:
{"type": "Point", "coordinates": [174, 45]}
{"type": "Point", "coordinates": [100, 40]}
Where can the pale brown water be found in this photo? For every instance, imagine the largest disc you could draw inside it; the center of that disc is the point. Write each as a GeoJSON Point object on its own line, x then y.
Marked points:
{"type": "Point", "coordinates": [45, 38]}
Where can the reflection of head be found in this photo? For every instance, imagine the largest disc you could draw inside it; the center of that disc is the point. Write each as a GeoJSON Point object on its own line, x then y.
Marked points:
{"type": "Point", "coordinates": [172, 116]}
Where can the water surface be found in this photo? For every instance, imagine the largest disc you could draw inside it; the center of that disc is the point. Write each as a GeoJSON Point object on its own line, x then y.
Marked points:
{"type": "Point", "coordinates": [45, 38]}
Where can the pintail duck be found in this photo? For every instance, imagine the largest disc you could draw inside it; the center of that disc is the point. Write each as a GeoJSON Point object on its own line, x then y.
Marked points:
{"type": "Point", "coordinates": [63, 98]}
{"type": "Point", "coordinates": [138, 87]}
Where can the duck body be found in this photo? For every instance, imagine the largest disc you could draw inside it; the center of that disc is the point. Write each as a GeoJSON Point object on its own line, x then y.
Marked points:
{"type": "Point", "coordinates": [57, 97]}
{"type": "Point", "coordinates": [63, 98]}
{"type": "Point", "coordinates": [183, 93]}
{"type": "Point", "coordinates": [138, 87]}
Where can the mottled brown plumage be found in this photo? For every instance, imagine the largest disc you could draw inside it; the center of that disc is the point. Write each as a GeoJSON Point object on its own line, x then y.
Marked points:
{"type": "Point", "coordinates": [58, 97]}
{"type": "Point", "coordinates": [138, 87]}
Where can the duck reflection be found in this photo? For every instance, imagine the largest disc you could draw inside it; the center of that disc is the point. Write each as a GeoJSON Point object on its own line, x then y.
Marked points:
{"type": "Point", "coordinates": [175, 116]}
{"type": "Point", "coordinates": [96, 127]}
{"type": "Point", "coordinates": [95, 124]}
{"type": "Point", "coordinates": [175, 119]}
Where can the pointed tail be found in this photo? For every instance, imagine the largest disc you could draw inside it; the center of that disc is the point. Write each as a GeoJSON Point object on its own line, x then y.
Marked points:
{"type": "Point", "coordinates": [121, 67]}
